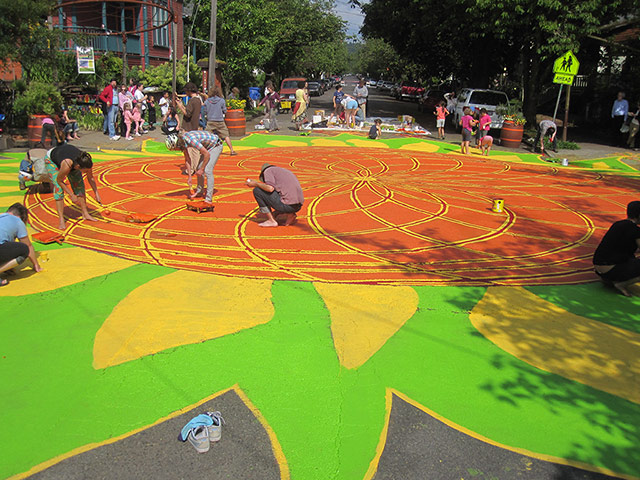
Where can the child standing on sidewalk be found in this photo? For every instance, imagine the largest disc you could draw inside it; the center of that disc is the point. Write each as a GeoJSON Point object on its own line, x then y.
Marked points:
{"type": "Point", "coordinates": [441, 117]}
{"type": "Point", "coordinates": [137, 118]}
{"type": "Point", "coordinates": [128, 118]}
{"type": "Point", "coordinates": [467, 122]}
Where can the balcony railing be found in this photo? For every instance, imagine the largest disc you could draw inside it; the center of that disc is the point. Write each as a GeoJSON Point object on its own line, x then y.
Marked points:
{"type": "Point", "coordinates": [103, 43]}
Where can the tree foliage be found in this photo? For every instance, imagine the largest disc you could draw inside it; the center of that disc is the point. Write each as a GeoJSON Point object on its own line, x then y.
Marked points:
{"type": "Point", "coordinates": [280, 37]}
{"type": "Point", "coordinates": [162, 75]}
{"type": "Point", "coordinates": [476, 40]}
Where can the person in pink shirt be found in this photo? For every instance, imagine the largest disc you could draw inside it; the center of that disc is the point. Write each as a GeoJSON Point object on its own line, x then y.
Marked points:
{"type": "Point", "coordinates": [486, 143]}
{"type": "Point", "coordinates": [137, 118]}
{"type": "Point", "coordinates": [48, 128]}
{"type": "Point", "coordinates": [484, 126]}
{"type": "Point", "coordinates": [467, 122]}
{"type": "Point", "coordinates": [128, 119]}
{"type": "Point", "coordinates": [441, 117]}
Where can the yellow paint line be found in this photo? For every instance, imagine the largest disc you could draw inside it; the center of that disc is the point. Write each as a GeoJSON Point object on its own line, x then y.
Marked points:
{"type": "Point", "coordinates": [275, 444]}
{"type": "Point", "coordinates": [373, 466]}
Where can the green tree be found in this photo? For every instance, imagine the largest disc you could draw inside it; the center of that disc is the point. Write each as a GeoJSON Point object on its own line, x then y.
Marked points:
{"type": "Point", "coordinates": [162, 75]}
{"type": "Point", "coordinates": [280, 37]}
{"type": "Point", "coordinates": [475, 40]}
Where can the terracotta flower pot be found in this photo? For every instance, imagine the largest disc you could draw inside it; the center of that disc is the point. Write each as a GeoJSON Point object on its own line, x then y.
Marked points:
{"type": "Point", "coordinates": [236, 122]}
{"type": "Point", "coordinates": [511, 135]}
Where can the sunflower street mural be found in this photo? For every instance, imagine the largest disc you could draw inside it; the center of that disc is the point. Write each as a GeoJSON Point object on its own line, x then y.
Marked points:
{"type": "Point", "coordinates": [400, 326]}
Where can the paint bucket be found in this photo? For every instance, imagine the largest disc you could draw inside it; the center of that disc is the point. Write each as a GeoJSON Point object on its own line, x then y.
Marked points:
{"type": "Point", "coordinates": [498, 205]}
{"type": "Point", "coordinates": [565, 162]}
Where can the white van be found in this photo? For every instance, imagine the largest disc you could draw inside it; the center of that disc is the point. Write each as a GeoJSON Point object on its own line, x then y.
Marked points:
{"type": "Point", "coordinates": [476, 99]}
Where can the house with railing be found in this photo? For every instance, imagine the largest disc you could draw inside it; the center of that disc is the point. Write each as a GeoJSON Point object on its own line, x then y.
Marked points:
{"type": "Point", "coordinates": [144, 45]}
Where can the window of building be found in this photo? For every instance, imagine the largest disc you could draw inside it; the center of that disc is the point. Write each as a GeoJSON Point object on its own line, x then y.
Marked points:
{"type": "Point", "coordinates": [160, 35]}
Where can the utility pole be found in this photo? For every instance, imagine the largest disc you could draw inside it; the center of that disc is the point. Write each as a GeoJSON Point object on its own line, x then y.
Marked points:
{"type": "Point", "coordinates": [174, 30]}
{"type": "Point", "coordinates": [212, 39]}
{"type": "Point", "coordinates": [566, 114]}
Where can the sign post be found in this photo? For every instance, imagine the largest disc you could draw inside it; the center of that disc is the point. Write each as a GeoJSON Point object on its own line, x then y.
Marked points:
{"type": "Point", "coordinates": [565, 69]}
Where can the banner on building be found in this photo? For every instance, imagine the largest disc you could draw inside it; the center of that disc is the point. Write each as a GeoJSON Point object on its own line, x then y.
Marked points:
{"type": "Point", "coordinates": [86, 62]}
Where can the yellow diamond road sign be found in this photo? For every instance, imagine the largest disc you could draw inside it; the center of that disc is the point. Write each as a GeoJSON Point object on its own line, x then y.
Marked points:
{"type": "Point", "coordinates": [567, 64]}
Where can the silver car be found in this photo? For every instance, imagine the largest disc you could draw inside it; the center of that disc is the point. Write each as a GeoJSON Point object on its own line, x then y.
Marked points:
{"type": "Point", "coordinates": [475, 99]}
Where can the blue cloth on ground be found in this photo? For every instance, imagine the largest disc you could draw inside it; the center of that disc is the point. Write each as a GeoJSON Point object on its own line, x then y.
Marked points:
{"type": "Point", "coordinates": [200, 420]}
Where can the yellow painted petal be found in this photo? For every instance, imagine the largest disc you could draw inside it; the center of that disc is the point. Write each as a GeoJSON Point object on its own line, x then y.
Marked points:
{"type": "Point", "coordinates": [367, 143]}
{"type": "Point", "coordinates": [6, 202]}
{"type": "Point", "coordinates": [325, 142]}
{"type": "Point", "coordinates": [179, 309]}
{"type": "Point", "coordinates": [287, 143]}
{"type": "Point", "coordinates": [421, 147]}
{"type": "Point", "coordinates": [364, 317]}
{"type": "Point", "coordinates": [62, 268]}
{"type": "Point", "coordinates": [553, 339]}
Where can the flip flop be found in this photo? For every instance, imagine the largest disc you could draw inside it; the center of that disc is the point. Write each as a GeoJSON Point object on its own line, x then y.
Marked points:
{"type": "Point", "coordinates": [4, 282]}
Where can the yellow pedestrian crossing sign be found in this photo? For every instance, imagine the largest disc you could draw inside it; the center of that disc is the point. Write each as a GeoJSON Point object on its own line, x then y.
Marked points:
{"type": "Point", "coordinates": [567, 64]}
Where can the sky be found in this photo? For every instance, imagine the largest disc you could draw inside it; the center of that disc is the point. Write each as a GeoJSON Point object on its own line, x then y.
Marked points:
{"type": "Point", "coordinates": [353, 16]}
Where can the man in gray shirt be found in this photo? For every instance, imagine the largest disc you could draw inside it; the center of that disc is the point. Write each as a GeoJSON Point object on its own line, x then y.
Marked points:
{"type": "Point", "coordinates": [361, 92]}
{"type": "Point", "coordinates": [547, 128]}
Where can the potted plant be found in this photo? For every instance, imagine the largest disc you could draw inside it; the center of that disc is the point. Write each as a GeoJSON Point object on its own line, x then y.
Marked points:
{"type": "Point", "coordinates": [235, 119]}
{"type": "Point", "coordinates": [38, 101]}
{"type": "Point", "coordinates": [513, 123]}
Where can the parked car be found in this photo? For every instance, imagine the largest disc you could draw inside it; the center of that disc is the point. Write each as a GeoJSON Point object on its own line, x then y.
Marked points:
{"type": "Point", "coordinates": [372, 83]}
{"type": "Point", "coordinates": [315, 88]}
{"type": "Point", "coordinates": [478, 98]}
{"type": "Point", "coordinates": [385, 86]}
{"type": "Point", "coordinates": [430, 99]}
{"type": "Point", "coordinates": [394, 89]}
{"type": "Point", "coordinates": [287, 92]}
{"type": "Point", "coordinates": [326, 84]}
{"type": "Point", "coordinates": [409, 91]}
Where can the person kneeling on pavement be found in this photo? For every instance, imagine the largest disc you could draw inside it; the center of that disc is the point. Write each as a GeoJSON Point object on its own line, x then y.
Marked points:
{"type": "Point", "coordinates": [615, 258]}
{"type": "Point", "coordinates": [13, 253]}
{"type": "Point", "coordinates": [277, 189]}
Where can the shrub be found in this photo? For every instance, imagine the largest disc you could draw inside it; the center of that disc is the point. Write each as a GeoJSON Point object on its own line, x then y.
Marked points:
{"type": "Point", "coordinates": [234, 104]}
{"type": "Point", "coordinates": [39, 98]}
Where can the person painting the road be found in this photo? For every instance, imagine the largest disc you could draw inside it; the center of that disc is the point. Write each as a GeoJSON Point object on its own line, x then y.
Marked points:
{"type": "Point", "coordinates": [300, 108]}
{"type": "Point", "coordinates": [278, 192]}
{"type": "Point", "coordinates": [209, 147]}
{"type": "Point", "coordinates": [547, 128]}
{"type": "Point", "coordinates": [67, 162]}
{"type": "Point", "coordinates": [467, 122]}
{"type": "Point", "coordinates": [12, 252]}
{"type": "Point", "coordinates": [615, 258]}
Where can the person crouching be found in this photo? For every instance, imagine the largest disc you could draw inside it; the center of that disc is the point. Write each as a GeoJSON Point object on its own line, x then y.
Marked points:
{"type": "Point", "coordinates": [278, 192]}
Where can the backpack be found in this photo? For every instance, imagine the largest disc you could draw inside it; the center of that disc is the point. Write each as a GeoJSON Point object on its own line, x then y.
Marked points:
{"type": "Point", "coordinates": [35, 157]}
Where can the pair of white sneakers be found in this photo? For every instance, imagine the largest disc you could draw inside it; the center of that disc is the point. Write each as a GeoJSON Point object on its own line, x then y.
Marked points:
{"type": "Point", "coordinates": [203, 436]}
